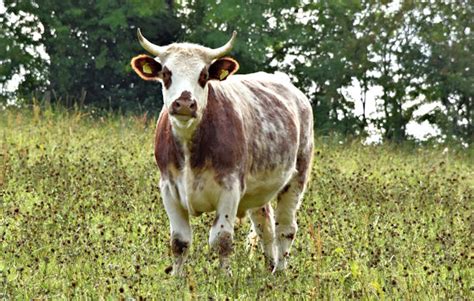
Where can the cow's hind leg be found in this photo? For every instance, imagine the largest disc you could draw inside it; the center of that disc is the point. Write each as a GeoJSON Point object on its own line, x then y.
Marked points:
{"type": "Point", "coordinates": [263, 225]}
{"type": "Point", "coordinates": [288, 202]}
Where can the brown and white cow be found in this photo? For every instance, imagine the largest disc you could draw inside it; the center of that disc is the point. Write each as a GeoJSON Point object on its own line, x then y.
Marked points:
{"type": "Point", "coordinates": [228, 143]}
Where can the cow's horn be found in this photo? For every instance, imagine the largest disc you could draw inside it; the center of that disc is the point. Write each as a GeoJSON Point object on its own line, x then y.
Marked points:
{"type": "Point", "coordinates": [149, 46]}
{"type": "Point", "coordinates": [219, 52]}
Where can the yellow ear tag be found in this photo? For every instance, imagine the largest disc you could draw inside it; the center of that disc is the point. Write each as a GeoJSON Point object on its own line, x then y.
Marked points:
{"type": "Point", "coordinates": [147, 68]}
{"type": "Point", "coordinates": [223, 74]}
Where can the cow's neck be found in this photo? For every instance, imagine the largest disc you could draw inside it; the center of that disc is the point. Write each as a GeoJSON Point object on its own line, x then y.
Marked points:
{"type": "Point", "coordinates": [184, 131]}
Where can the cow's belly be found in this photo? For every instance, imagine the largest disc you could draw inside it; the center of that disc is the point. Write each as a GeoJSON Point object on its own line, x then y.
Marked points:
{"type": "Point", "coordinates": [262, 187]}
{"type": "Point", "coordinates": [200, 193]}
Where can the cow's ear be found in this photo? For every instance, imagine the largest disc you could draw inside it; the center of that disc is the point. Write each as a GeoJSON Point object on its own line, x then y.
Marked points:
{"type": "Point", "coordinates": [222, 68]}
{"type": "Point", "coordinates": [146, 67]}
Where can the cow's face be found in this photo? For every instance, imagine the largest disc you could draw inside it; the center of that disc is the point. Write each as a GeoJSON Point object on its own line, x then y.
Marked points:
{"type": "Point", "coordinates": [184, 70]}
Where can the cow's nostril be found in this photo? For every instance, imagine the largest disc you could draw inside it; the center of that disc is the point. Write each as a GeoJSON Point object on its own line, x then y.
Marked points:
{"type": "Point", "coordinates": [177, 104]}
{"type": "Point", "coordinates": [192, 106]}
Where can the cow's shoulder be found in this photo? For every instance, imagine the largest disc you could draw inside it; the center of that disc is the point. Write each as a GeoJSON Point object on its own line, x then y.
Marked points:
{"type": "Point", "coordinates": [219, 139]}
{"type": "Point", "coordinates": [168, 150]}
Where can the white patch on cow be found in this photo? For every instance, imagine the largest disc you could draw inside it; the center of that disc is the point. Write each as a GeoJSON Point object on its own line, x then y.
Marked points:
{"type": "Point", "coordinates": [263, 186]}
{"type": "Point", "coordinates": [179, 222]}
{"type": "Point", "coordinates": [228, 202]}
{"type": "Point", "coordinates": [183, 129]}
{"type": "Point", "coordinates": [174, 209]}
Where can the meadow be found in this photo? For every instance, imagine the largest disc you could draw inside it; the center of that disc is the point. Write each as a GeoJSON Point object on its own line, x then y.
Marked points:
{"type": "Point", "coordinates": [81, 217]}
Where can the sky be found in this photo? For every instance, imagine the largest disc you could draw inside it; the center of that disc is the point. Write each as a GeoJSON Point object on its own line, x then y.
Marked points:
{"type": "Point", "coordinates": [420, 131]}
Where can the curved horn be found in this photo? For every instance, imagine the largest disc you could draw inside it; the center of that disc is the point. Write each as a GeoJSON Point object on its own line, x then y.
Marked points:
{"type": "Point", "coordinates": [149, 46]}
{"type": "Point", "coordinates": [219, 52]}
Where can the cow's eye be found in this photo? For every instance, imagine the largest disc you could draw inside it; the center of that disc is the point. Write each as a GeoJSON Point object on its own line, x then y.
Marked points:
{"type": "Point", "coordinates": [166, 77]}
{"type": "Point", "coordinates": [203, 77]}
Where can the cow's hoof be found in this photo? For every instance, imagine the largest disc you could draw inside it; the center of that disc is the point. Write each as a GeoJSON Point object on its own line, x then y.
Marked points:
{"type": "Point", "coordinates": [270, 264]}
{"type": "Point", "coordinates": [280, 266]}
{"type": "Point", "coordinates": [224, 266]}
{"type": "Point", "coordinates": [178, 270]}
{"type": "Point", "coordinates": [178, 274]}
{"type": "Point", "coordinates": [227, 271]}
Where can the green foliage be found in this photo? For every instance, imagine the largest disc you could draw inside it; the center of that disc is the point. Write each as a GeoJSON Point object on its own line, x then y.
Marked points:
{"type": "Point", "coordinates": [81, 217]}
{"type": "Point", "coordinates": [91, 44]}
{"type": "Point", "coordinates": [449, 68]}
{"type": "Point", "coordinates": [16, 36]}
{"type": "Point", "coordinates": [418, 53]}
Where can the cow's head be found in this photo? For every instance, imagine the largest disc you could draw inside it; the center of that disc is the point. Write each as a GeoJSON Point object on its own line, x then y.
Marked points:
{"type": "Point", "coordinates": [184, 69]}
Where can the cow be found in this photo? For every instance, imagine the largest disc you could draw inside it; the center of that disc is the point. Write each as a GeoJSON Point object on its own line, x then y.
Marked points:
{"type": "Point", "coordinates": [228, 143]}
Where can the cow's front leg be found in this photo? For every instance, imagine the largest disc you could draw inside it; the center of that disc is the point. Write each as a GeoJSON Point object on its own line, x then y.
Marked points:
{"type": "Point", "coordinates": [180, 230]}
{"type": "Point", "coordinates": [222, 230]}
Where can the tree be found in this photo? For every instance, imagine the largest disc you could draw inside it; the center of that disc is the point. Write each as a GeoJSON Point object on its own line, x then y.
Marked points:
{"type": "Point", "coordinates": [18, 42]}
{"type": "Point", "coordinates": [90, 45]}
{"type": "Point", "coordinates": [448, 66]}
{"type": "Point", "coordinates": [418, 53]}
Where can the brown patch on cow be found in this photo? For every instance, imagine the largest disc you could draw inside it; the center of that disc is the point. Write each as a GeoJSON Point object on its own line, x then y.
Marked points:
{"type": "Point", "coordinates": [179, 247]}
{"type": "Point", "coordinates": [203, 77]}
{"type": "Point", "coordinates": [219, 141]}
{"type": "Point", "coordinates": [166, 76]}
{"type": "Point", "coordinates": [305, 153]}
{"type": "Point", "coordinates": [303, 165]}
{"type": "Point", "coordinates": [167, 148]}
{"type": "Point", "coordinates": [185, 95]}
{"type": "Point", "coordinates": [224, 245]}
{"type": "Point", "coordinates": [289, 236]}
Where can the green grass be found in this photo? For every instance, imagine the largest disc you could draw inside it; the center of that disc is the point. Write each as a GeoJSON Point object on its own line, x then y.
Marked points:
{"type": "Point", "coordinates": [81, 216]}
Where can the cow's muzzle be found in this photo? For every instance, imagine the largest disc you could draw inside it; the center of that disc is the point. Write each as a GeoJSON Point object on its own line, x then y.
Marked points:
{"type": "Point", "coordinates": [184, 106]}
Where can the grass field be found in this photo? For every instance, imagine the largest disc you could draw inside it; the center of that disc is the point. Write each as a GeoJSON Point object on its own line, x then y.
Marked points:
{"type": "Point", "coordinates": [81, 216]}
